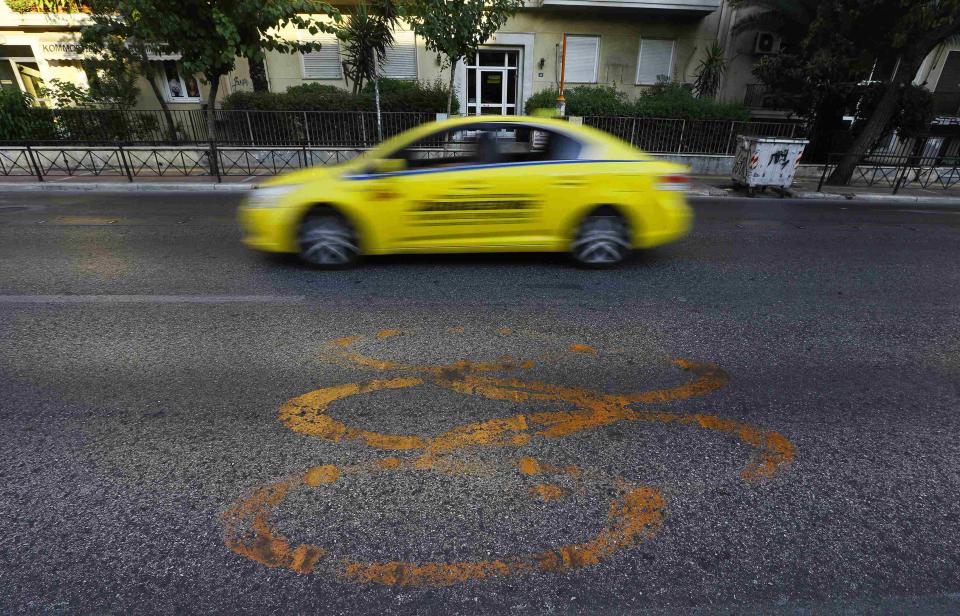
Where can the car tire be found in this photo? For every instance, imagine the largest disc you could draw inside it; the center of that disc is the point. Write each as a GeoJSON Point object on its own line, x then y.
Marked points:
{"type": "Point", "coordinates": [603, 240]}
{"type": "Point", "coordinates": [326, 240]}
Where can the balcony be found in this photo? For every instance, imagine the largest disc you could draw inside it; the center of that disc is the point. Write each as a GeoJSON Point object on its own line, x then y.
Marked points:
{"type": "Point", "coordinates": [697, 7]}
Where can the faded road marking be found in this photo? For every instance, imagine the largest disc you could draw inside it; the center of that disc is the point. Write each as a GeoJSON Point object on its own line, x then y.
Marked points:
{"type": "Point", "coordinates": [634, 515]}
{"type": "Point", "coordinates": [151, 299]}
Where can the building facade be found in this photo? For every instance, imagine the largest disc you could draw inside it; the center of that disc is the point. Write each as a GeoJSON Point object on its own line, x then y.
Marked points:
{"type": "Point", "coordinates": [624, 44]}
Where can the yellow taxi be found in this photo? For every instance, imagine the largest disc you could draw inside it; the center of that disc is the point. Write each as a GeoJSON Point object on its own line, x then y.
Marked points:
{"type": "Point", "coordinates": [475, 184]}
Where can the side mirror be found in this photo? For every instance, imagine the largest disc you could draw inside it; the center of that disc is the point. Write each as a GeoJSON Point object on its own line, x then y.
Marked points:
{"type": "Point", "coordinates": [388, 165]}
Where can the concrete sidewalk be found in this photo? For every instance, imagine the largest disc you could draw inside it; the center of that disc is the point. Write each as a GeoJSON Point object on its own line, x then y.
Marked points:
{"type": "Point", "coordinates": [701, 186]}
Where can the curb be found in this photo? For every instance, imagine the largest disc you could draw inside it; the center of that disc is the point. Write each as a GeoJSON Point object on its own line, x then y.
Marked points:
{"type": "Point", "coordinates": [117, 187]}
{"type": "Point", "coordinates": [874, 198]}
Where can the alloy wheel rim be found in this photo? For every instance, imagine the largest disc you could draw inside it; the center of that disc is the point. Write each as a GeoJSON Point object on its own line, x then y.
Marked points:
{"type": "Point", "coordinates": [602, 241]}
{"type": "Point", "coordinates": [327, 242]}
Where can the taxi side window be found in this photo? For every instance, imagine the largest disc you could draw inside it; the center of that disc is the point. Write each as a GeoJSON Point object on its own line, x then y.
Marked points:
{"type": "Point", "coordinates": [485, 144]}
{"type": "Point", "coordinates": [451, 148]}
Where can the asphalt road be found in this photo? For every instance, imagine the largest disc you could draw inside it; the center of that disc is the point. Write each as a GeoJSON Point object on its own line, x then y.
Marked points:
{"type": "Point", "coordinates": [150, 461]}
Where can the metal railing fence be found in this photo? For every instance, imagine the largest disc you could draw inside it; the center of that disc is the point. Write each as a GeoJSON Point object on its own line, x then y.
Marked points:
{"type": "Point", "coordinates": [897, 171]}
{"type": "Point", "coordinates": [217, 161]}
{"type": "Point", "coordinates": [231, 127]}
{"type": "Point", "coordinates": [354, 129]}
{"type": "Point", "coordinates": [678, 136]}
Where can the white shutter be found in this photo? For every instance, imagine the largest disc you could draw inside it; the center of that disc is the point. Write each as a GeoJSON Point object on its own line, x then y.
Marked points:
{"type": "Point", "coordinates": [656, 59]}
{"type": "Point", "coordinates": [324, 63]}
{"type": "Point", "coordinates": [583, 55]}
{"type": "Point", "coordinates": [401, 59]}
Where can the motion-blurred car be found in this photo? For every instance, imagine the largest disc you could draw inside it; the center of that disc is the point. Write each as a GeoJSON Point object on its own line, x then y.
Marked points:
{"type": "Point", "coordinates": [476, 184]}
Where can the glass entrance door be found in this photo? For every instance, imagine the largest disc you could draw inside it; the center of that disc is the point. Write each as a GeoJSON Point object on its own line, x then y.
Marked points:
{"type": "Point", "coordinates": [493, 82]}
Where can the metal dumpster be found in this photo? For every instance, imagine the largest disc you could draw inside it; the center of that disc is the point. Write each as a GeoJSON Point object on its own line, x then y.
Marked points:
{"type": "Point", "coordinates": [762, 162]}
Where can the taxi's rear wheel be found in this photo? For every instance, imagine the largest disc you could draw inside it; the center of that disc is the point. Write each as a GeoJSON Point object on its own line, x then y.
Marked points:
{"type": "Point", "coordinates": [603, 240]}
{"type": "Point", "coordinates": [327, 240]}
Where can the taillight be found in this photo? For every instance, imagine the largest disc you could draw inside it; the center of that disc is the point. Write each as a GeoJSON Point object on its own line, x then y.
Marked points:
{"type": "Point", "coordinates": [673, 181]}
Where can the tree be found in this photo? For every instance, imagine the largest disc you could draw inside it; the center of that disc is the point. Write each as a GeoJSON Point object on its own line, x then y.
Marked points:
{"type": "Point", "coordinates": [789, 18]}
{"type": "Point", "coordinates": [366, 36]}
{"type": "Point", "coordinates": [817, 71]}
{"type": "Point", "coordinates": [209, 35]}
{"type": "Point", "coordinates": [906, 32]}
{"type": "Point", "coordinates": [112, 84]}
{"type": "Point", "coordinates": [455, 28]}
{"type": "Point", "coordinates": [118, 36]}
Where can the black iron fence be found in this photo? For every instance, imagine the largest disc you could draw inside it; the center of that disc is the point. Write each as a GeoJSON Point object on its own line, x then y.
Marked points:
{"type": "Point", "coordinates": [898, 171]}
{"type": "Point", "coordinates": [353, 129]}
{"type": "Point", "coordinates": [678, 136]}
{"type": "Point", "coordinates": [44, 162]}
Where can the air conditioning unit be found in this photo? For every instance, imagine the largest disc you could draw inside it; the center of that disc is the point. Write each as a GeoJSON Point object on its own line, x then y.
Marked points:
{"type": "Point", "coordinates": [767, 43]}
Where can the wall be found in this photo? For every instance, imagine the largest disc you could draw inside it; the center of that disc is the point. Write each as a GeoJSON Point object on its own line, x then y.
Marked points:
{"type": "Point", "coordinates": [620, 32]}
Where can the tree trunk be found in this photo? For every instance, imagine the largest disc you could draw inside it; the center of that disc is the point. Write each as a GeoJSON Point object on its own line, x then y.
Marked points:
{"type": "Point", "coordinates": [211, 106]}
{"type": "Point", "coordinates": [877, 123]}
{"type": "Point", "coordinates": [151, 75]}
{"type": "Point", "coordinates": [453, 71]}
{"type": "Point", "coordinates": [212, 124]}
{"type": "Point", "coordinates": [258, 75]}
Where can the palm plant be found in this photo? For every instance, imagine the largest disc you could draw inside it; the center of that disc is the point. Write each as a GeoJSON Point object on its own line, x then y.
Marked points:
{"type": "Point", "coordinates": [365, 37]}
{"type": "Point", "coordinates": [710, 72]}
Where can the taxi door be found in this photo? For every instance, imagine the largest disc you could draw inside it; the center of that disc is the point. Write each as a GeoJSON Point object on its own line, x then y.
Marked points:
{"type": "Point", "coordinates": [469, 206]}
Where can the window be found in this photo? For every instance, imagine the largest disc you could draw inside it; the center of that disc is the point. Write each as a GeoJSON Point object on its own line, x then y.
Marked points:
{"type": "Point", "coordinates": [655, 60]}
{"type": "Point", "coordinates": [400, 61]}
{"type": "Point", "coordinates": [179, 87]}
{"type": "Point", "coordinates": [325, 62]}
{"type": "Point", "coordinates": [583, 57]}
{"type": "Point", "coordinates": [484, 144]}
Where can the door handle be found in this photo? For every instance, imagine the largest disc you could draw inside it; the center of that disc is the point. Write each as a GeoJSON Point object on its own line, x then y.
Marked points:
{"type": "Point", "coordinates": [569, 182]}
{"type": "Point", "coordinates": [473, 187]}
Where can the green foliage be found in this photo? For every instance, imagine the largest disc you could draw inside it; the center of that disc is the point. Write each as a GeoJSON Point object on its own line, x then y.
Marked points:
{"type": "Point", "coordinates": [20, 121]}
{"type": "Point", "coordinates": [395, 95]}
{"type": "Point", "coordinates": [208, 35]}
{"type": "Point", "coordinates": [583, 101]}
{"type": "Point", "coordinates": [22, 6]}
{"type": "Point", "coordinates": [112, 84]}
{"type": "Point", "coordinates": [710, 71]}
{"type": "Point", "coordinates": [668, 100]}
{"type": "Point", "coordinates": [790, 18]}
{"type": "Point", "coordinates": [912, 117]}
{"type": "Point", "coordinates": [46, 6]}
{"type": "Point", "coordinates": [365, 38]}
{"type": "Point", "coordinates": [455, 28]}
{"type": "Point", "coordinates": [403, 95]}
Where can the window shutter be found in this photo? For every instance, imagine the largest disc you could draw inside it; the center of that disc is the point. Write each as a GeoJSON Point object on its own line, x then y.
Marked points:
{"type": "Point", "coordinates": [401, 59]}
{"type": "Point", "coordinates": [656, 58]}
{"type": "Point", "coordinates": [582, 58]}
{"type": "Point", "coordinates": [325, 63]}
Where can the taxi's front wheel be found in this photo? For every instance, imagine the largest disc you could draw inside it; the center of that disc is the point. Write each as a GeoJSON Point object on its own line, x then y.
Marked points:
{"type": "Point", "coordinates": [602, 240]}
{"type": "Point", "coordinates": [327, 240]}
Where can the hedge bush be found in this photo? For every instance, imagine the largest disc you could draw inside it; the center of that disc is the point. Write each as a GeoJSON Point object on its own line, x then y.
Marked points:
{"type": "Point", "coordinates": [661, 101]}
{"type": "Point", "coordinates": [19, 120]}
{"type": "Point", "coordinates": [395, 95]}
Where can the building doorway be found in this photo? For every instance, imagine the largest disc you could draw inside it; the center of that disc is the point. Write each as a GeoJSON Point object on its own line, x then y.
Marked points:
{"type": "Point", "coordinates": [493, 81]}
